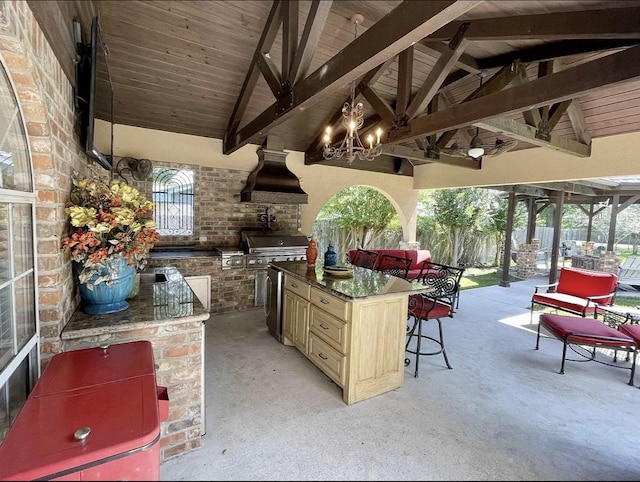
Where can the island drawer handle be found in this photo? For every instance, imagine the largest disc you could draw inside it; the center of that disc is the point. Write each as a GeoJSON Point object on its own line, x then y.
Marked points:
{"type": "Point", "coordinates": [294, 285]}
{"type": "Point", "coordinates": [324, 327]}
{"type": "Point", "coordinates": [324, 301]}
{"type": "Point", "coordinates": [322, 356]}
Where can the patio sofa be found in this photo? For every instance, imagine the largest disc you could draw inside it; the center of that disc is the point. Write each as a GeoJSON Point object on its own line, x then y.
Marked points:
{"type": "Point", "coordinates": [417, 256]}
{"type": "Point", "coordinates": [577, 291]}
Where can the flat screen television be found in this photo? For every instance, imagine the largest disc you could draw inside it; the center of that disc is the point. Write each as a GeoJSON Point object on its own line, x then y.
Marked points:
{"type": "Point", "coordinates": [94, 98]}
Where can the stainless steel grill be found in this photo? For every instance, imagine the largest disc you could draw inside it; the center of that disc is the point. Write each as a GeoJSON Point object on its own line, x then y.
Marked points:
{"type": "Point", "coordinates": [261, 248]}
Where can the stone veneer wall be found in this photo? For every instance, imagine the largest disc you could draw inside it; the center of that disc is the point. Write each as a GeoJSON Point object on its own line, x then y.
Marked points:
{"type": "Point", "coordinates": [45, 96]}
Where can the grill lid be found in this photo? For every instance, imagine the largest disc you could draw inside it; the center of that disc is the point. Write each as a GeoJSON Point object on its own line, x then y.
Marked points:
{"type": "Point", "coordinates": [271, 242]}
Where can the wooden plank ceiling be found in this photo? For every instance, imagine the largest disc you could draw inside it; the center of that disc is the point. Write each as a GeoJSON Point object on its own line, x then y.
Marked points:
{"type": "Point", "coordinates": [535, 73]}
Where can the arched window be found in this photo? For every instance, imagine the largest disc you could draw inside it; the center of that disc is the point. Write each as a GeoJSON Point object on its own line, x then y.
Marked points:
{"type": "Point", "coordinates": [173, 199]}
{"type": "Point", "coordinates": [19, 347]}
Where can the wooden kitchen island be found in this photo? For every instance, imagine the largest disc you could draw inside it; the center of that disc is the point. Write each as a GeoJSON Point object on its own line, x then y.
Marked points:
{"type": "Point", "coordinates": [353, 329]}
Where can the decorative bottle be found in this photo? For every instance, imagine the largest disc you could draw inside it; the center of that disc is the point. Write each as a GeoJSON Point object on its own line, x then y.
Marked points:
{"type": "Point", "coordinates": [312, 253]}
{"type": "Point", "coordinates": [330, 257]}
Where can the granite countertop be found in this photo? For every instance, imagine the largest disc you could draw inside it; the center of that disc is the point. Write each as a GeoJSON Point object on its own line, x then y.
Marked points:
{"type": "Point", "coordinates": [161, 302]}
{"type": "Point", "coordinates": [365, 283]}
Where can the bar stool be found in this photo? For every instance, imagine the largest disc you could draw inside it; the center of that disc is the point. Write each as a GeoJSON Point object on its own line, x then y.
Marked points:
{"type": "Point", "coordinates": [438, 302]}
{"type": "Point", "coordinates": [393, 265]}
{"type": "Point", "coordinates": [364, 258]}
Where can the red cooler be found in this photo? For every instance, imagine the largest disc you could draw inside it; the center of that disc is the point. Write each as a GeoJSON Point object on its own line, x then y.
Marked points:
{"type": "Point", "coordinates": [93, 415]}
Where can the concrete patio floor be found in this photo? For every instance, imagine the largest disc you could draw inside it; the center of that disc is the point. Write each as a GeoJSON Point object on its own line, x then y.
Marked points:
{"type": "Point", "coordinates": [502, 413]}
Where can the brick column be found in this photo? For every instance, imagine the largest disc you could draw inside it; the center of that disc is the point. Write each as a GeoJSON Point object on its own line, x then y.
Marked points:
{"type": "Point", "coordinates": [526, 261]}
{"type": "Point", "coordinates": [609, 262]}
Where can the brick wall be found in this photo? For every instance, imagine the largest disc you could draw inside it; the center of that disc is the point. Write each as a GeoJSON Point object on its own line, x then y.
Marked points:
{"type": "Point", "coordinates": [45, 96]}
{"type": "Point", "coordinates": [178, 356]}
{"type": "Point", "coordinates": [219, 214]}
{"type": "Point", "coordinates": [220, 217]}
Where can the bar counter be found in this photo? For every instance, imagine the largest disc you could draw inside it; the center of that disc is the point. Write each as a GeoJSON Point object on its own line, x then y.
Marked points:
{"type": "Point", "coordinates": [364, 283]}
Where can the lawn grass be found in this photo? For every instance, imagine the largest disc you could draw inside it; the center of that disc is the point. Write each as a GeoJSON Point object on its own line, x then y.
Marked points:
{"type": "Point", "coordinates": [479, 278]}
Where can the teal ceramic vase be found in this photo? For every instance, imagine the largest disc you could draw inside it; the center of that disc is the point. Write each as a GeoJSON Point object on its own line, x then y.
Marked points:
{"type": "Point", "coordinates": [108, 296]}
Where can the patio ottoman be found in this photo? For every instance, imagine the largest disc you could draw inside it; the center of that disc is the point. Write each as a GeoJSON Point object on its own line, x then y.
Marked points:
{"type": "Point", "coordinates": [574, 330]}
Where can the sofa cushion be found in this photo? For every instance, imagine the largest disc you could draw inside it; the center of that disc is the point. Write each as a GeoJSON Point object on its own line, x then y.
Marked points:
{"type": "Point", "coordinates": [563, 301]}
{"type": "Point", "coordinates": [582, 283]}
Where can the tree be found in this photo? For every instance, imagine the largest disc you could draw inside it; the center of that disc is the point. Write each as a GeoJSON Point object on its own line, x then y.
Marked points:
{"type": "Point", "coordinates": [456, 212]}
{"type": "Point", "coordinates": [364, 213]}
{"type": "Point", "coordinates": [497, 220]}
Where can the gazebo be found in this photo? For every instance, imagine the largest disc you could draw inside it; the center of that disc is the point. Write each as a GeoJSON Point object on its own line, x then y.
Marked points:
{"type": "Point", "coordinates": [591, 196]}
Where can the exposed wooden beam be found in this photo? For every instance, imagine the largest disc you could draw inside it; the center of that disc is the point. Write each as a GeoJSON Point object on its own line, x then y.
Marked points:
{"type": "Point", "coordinates": [557, 111]}
{"type": "Point", "coordinates": [419, 155]}
{"type": "Point", "coordinates": [383, 164]}
{"type": "Point", "coordinates": [269, 72]}
{"type": "Point", "coordinates": [612, 23]}
{"type": "Point", "coordinates": [409, 22]}
{"type": "Point", "coordinates": [290, 14]}
{"type": "Point", "coordinates": [575, 113]}
{"type": "Point", "coordinates": [531, 116]}
{"type": "Point", "coordinates": [496, 83]}
{"type": "Point", "coordinates": [552, 50]}
{"type": "Point", "coordinates": [580, 80]}
{"type": "Point", "coordinates": [438, 74]}
{"type": "Point", "coordinates": [405, 79]}
{"type": "Point", "coordinates": [380, 105]}
{"type": "Point", "coordinates": [264, 45]}
{"type": "Point", "coordinates": [309, 40]}
{"type": "Point", "coordinates": [569, 187]}
{"type": "Point", "coordinates": [434, 49]}
{"type": "Point", "coordinates": [524, 132]}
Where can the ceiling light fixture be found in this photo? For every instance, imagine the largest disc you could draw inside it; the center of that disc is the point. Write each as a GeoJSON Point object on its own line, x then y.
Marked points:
{"type": "Point", "coordinates": [353, 120]}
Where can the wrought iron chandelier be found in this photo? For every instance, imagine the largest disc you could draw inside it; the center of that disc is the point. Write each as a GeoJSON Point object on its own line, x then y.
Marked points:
{"type": "Point", "coordinates": [353, 120]}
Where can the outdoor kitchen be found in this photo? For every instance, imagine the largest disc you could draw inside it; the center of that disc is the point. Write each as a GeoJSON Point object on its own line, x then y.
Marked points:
{"type": "Point", "coordinates": [241, 223]}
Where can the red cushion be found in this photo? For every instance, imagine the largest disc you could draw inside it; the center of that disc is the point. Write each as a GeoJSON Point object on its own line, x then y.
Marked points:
{"type": "Point", "coordinates": [417, 256]}
{"type": "Point", "coordinates": [580, 330]}
{"type": "Point", "coordinates": [565, 302]}
{"type": "Point", "coordinates": [631, 330]}
{"type": "Point", "coordinates": [427, 309]}
{"type": "Point", "coordinates": [582, 283]}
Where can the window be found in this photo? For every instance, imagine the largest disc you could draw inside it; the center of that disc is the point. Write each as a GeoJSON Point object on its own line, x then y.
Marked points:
{"type": "Point", "coordinates": [173, 199]}
{"type": "Point", "coordinates": [19, 347]}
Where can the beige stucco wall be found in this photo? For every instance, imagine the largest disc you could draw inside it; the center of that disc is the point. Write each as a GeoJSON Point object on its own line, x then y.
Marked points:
{"type": "Point", "coordinates": [319, 182]}
{"type": "Point", "coordinates": [612, 156]}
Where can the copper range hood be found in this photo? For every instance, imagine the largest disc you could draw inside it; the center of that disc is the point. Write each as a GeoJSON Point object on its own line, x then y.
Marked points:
{"type": "Point", "coordinates": [272, 182]}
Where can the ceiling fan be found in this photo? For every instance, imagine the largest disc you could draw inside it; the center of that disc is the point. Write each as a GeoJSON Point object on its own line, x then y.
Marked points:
{"type": "Point", "coordinates": [477, 150]}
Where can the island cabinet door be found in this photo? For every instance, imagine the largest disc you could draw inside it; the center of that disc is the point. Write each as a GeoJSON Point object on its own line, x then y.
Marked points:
{"type": "Point", "coordinates": [377, 338]}
{"type": "Point", "coordinates": [296, 320]}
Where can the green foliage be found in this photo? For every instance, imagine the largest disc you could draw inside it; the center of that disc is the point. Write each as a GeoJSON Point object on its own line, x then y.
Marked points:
{"type": "Point", "coordinates": [363, 214]}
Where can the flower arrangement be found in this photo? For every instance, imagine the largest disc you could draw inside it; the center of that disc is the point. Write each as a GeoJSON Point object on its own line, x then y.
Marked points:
{"type": "Point", "coordinates": [109, 221]}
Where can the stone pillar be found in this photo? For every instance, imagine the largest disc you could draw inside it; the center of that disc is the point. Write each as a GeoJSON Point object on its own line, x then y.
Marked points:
{"type": "Point", "coordinates": [609, 262]}
{"type": "Point", "coordinates": [587, 248]}
{"type": "Point", "coordinates": [526, 261]}
{"type": "Point", "coordinates": [409, 245]}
